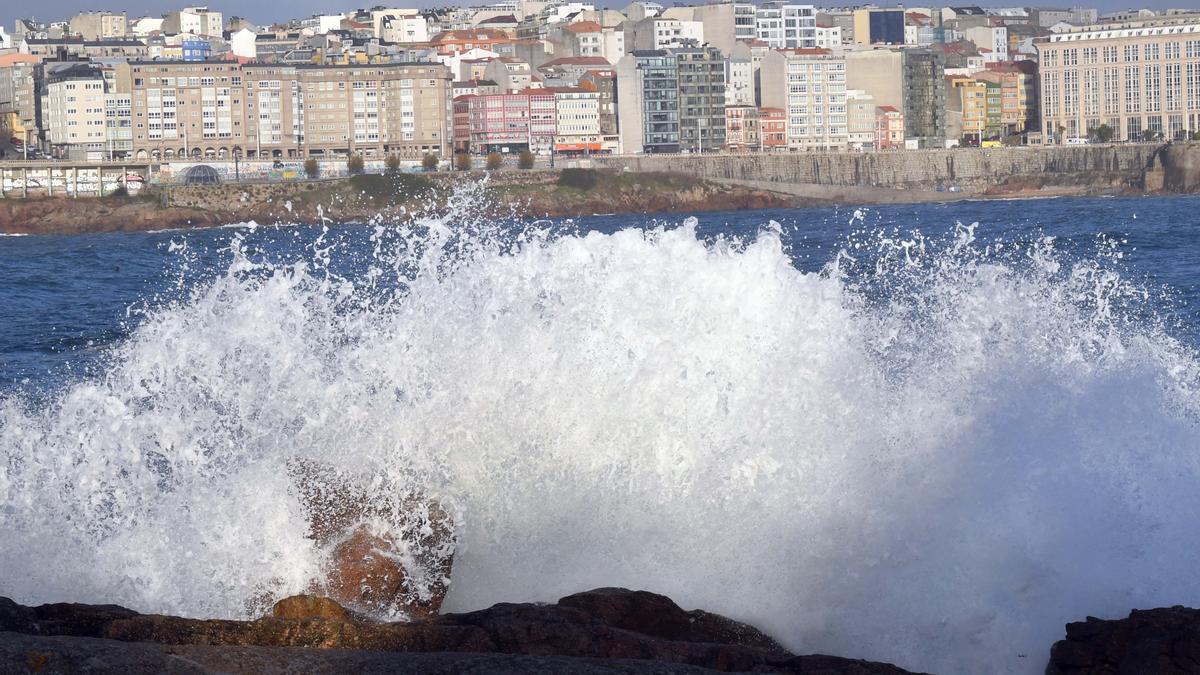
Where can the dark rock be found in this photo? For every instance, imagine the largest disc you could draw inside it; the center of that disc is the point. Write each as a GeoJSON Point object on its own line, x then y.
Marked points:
{"type": "Point", "coordinates": [1165, 640]}
{"type": "Point", "coordinates": [300, 607]}
{"type": "Point", "coordinates": [387, 555]}
{"type": "Point", "coordinates": [607, 630]}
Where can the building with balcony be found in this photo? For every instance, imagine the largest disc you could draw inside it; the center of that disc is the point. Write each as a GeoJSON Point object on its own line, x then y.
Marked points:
{"type": "Point", "coordinates": [648, 102]}
{"type": "Point", "coordinates": [263, 111]}
{"type": "Point", "coordinates": [810, 86]}
{"type": "Point", "coordinates": [701, 77]}
{"type": "Point", "coordinates": [786, 26]}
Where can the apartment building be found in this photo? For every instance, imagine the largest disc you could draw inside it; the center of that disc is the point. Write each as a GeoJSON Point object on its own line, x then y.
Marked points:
{"type": "Point", "coordinates": [924, 107]}
{"type": "Point", "coordinates": [19, 103]}
{"type": "Point", "coordinates": [195, 20]}
{"type": "Point", "coordinates": [742, 128]}
{"type": "Point", "coordinates": [1019, 95]}
{"type": "Point", "coordinates": [739, 81]}
{"type": "Point", "coordinates": [724, 23]}
{"type": "Point", "coordinates": [979, 104]}
{"type": "Point", "coordinates": [648, 102]}
{"type": "Point", "coordinates": [772, 128]}
{"type": "Point", "coordinates": [701, 76]}
{"type": "Point", "coordinates": [222, 109]}
{"type": "Point", "coordinates": [810, 86]}
{"type": "Point", "coordinates": [506, 122]}
{"type": "Point", "coordinates": [879, 26]}
{"type": "Point", "coordinates": [658, 33]}
{"type": "Point", "coordinates": [786, 26]}
{"type": "Point", "coordinates": [860, 112]}
{"type": "Point", "coordinates": [1140, 78]}
{"type": "Point", "coordinates": [577, 120]}
{"type": "Point", "coordinates": [604, 82]}
{"type": "Point", "coordinates": [98, 25]}
{"type": "Point", "coordinates": [73, 110]}
{"type": "Point", "coordinates": [889, 128]}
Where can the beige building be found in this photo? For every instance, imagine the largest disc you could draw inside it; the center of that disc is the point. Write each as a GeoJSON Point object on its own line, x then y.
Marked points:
{"type": "Point", "coordinates": [810, 85]}
{"type": "Point", "coordinates": [878, 72]}
{"type": "Point", "coordinates": [218, 110]}
{"type": "Point", "coordinates": [860, 107]}
{"type": "Point", "coordinates": [1140, 78]}
{"type": "Point", "coordinates": [73, 106]}
{"type": "Point", "coordinates": [195, 20]}
{"type": "Point", "coordinates": [98, 25]}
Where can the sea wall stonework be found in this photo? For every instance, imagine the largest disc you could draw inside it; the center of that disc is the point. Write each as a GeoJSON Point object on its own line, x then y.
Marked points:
{"type": "Point", "coordinates": [968, 167]}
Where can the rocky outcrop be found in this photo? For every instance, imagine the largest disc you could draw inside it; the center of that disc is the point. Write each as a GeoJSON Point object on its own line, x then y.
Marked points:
{"type": "Point", "coordinates": [1176, 169]}
{"type": "Point", "coordinates": [361, 199]}
{"type": "Point", "coordinates": [1160, 641]}
{"type": "Point", "coordinates": [605, 630]}
{"type": "Point", "coordinates": [388, 553]}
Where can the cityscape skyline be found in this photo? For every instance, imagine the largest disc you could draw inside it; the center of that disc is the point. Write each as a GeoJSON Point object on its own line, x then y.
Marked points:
{"type": "Point", "coordinates": [274, 11]}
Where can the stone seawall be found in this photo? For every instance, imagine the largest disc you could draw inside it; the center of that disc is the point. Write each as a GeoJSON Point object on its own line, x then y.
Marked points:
{"type": "Point", "coordinates": [1107, 167]}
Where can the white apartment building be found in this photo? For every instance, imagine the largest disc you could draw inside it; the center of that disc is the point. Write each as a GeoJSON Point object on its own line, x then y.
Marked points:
{"type": "Point", "coordinates": [828, 37]}
{"type": "Point", "coordinates": [402, 26]}
{"type": "Point", "coordinates": [992, 42]}
{"type": "Point", "coordinates": [73, 111]}
{"type": "Point", "coordinates": [810, 86]}
{"type": "Point", "coordinates": [195, 20]}
{"type": "Point", "coordinates": [739, 81]}
{"type": "Point", "coordinates": [244, 43]}
{"type": "Point", "coordinates": [787, 26]}
{"type": "Point", "coordinates": [663, 33]}
{"type": "Point", "coordinates": [578, 114]}
{"type": "Point", "coordinates": [1140, 78]}
{"type": "Point", "coordinates": [860, 110]}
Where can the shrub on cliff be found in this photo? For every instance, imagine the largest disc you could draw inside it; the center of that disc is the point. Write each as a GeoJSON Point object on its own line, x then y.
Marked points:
{"type": "Point", "coordinates": [462, 161]}
{"type": "Point", "coordinates": [390, 189]}
{"type": "Point", "coordinates": [580, 179]}
{"type": "Point", "coordinates": [355, 164]}
{"type": "Point", "coordinates": [430, 162]}
{"type": "Point", "coordinates": [494, 161]}
{"type": "Point", "coordinates": [392, 163]}
{"type": "Point", "coordinates": [312, 168]}
{"type": "Point", "coordinates": [525, 160]}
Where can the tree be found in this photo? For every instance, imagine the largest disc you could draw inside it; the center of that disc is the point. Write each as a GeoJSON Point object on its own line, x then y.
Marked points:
{"type": "Point", "coordinates": [355, 164]}
{"type": "Point", "coordinates": [1103, 133]}
{"type": "Point", "coordinates": [430, 162]}
{"type": "Point", "coordinates": [1062, 133]}
{"type": "Point", "coordinates": [525, 160]}
{"type": "Point", "coordinates": [494, 161]}
{"type": "Point", "coordinates": [312, 168]}
{"type": "Point", "coordinates": [462, 161]}
{"type": "Point", "coordinates": [1195, 136]}
{"type": "Point", "coordinates": [392, 163]}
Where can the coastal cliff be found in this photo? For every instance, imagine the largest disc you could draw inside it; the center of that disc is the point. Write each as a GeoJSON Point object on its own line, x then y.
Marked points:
{"type": "Point", "coordinates": [382, 198]}
{"type": "Point", "coordinates": [646, 184]}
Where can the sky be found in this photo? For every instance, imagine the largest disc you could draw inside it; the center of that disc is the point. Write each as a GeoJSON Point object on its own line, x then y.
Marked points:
{"type": "Point", "coordinates": [267, 11]}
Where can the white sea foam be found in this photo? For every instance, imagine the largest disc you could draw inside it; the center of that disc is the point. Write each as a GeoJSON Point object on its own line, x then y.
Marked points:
{"type": "Point", "coordinates": [936, 462]}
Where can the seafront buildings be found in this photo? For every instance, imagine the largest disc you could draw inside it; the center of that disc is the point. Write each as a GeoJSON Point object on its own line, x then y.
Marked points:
{"type": "Point", "coordinates": [1138, 78]}
{"type": "Point", "coordinates": [560, 77]}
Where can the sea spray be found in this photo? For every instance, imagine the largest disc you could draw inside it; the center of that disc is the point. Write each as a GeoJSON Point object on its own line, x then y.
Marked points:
{"type": "Point", "coordinates": [933, 452]}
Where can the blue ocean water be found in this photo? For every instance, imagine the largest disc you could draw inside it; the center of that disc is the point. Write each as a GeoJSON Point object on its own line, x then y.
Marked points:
{"type": "Point", "coordinates": [66, 297]}
{"type": "Point", "coordinates": [929, 435]}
